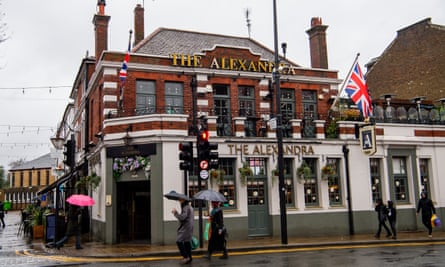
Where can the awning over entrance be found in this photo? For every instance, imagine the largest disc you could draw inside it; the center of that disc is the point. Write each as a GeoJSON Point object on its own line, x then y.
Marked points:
{"type": "Point", "coordinates": [57, 183]}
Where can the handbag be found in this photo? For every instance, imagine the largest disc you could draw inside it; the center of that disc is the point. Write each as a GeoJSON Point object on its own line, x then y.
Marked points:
{"type": "Point", "coordinates": [194, 242]}
{"type": "Point", "coordinates": [435, 221]}
{"type": "Point", "coordinates": [206, 231]}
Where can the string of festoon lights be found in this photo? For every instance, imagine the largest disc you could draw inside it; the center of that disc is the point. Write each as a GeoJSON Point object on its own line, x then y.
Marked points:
{"type": "Point", "coordinates": [25, 88]}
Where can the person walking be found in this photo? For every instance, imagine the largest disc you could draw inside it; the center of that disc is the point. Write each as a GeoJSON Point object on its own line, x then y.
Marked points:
{"type": "Point", "coordinates": [217, 240]}
{"type": "Point", "coordinates": [382, 212]}
{"type": "Point", "coordinates": [392, 216]}
{"type": "Point", "coordinates": [2, 214]}
{"type": "Point", "coordinates": [185, 229]}
{"type": "Point", "coordinates": [426, 205]}
{"type": "Point", "coordinates": [73, 227]}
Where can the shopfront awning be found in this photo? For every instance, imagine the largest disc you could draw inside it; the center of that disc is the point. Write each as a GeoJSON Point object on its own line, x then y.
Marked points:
{"type": "Point", "coordinates": [65, 178]}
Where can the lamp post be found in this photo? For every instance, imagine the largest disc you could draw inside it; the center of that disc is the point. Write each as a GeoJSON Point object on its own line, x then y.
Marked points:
{"type": "Point", "coordinates": [279, 132]}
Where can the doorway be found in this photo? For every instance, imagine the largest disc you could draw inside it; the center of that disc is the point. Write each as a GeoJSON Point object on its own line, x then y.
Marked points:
{"type": "Point", "coordinates": [133, 214]}
{"type": "Point", "coordinates": [258, 215]}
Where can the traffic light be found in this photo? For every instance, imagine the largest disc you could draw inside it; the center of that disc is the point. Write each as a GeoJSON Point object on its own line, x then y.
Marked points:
{"type": "Point", "coordinates": [69, 153]}
{"type": "Point", "coordinates": [186, 155]}
{"type": "Point", "coordinates": [203, 145]}
{"type": "Point", "coordinates": [213, 156]}
{"type": "Point", "coordinates": [207, 158]}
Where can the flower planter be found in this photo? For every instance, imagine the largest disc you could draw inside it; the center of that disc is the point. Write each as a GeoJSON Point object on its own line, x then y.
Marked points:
{"type": "Point", "coordinates": [37, 231]}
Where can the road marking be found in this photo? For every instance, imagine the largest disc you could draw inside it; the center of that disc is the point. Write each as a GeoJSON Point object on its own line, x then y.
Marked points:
{"type": "Point", "coordinates": [63, 258]}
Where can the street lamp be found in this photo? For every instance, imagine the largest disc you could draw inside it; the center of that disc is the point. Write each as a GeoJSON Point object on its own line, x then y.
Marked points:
{"type": "Point", "coordinates": [276, 78]}
{"type": "Point", "coordinates": [57, 142]}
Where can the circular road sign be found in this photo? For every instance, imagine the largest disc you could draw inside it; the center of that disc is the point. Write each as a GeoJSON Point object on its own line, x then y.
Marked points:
{"type": "Point", "coordinates": [204, 174]}
{"type": "Point", "coordinates": [204, 164]}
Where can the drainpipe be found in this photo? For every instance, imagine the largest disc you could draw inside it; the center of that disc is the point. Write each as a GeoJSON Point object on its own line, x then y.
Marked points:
{"type": "Point", "coordinates": [345, 150]}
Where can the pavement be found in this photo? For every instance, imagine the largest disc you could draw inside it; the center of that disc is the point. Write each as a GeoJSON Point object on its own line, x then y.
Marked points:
{"type": "Point", "coordinates": [97, 250]}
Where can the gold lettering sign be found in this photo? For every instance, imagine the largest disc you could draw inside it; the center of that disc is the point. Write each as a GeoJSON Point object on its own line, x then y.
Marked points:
{"type": "Point", "coordinates": [229, 63]}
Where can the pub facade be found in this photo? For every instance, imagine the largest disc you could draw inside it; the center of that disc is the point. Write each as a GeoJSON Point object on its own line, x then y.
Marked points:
{"type": "Point", "coordinates": [128, 132]}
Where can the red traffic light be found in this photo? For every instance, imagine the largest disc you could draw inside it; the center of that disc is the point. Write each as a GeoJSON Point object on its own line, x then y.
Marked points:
{"type": "Point", "coordinates": [204, 135]}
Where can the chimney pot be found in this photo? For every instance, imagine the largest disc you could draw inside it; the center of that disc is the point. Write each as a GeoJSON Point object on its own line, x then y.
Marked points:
{"type": "Point", "coordinates": [315, 21]}
{"type": "Point", "coordinates": [138, 24]}
{"type": "Point", "coordinates": [317, 43]}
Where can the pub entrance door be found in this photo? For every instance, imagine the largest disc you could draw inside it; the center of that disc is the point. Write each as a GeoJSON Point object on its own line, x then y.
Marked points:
{"type": "Point", "coordinates": [133, 214]}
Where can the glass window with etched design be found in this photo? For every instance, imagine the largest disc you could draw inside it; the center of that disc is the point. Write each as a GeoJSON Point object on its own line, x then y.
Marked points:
{"type": "Point", "coordinates": [225, 178]}
{"type": "Point", "coordinates": [334, 182]}
{"type": "Point", "coordinates": [424, 176]}
{"type": "Point", "coordinates": [311, 195]}
{"type": "Point", "coordinates": [376, 179]}
{"type": "Point", "coordinates": [400, 179]}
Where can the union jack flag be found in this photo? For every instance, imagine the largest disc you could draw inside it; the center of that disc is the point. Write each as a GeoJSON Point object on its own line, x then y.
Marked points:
{"type": "Point", "coordinates": [357, 90]}
{"type": "Point", "coordinates": [123, 72]}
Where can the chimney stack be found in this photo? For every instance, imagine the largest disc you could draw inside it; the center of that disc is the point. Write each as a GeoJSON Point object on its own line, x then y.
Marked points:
{"type": "Point", "coordinates": [100, 22]}
{"type": "Point", "coordinates": [138, 24]}
{"type": "Point", "coordinates": [317, 43]}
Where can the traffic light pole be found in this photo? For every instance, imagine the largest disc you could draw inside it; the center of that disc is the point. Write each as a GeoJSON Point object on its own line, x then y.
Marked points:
{"type": "Point", "coordinates": [186, 191]}
{"type": "Point", "coordinates": [279, 132]}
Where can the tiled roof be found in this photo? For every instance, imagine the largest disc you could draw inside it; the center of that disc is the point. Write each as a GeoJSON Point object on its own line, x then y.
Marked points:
{"type": "Point", "coordinates": [42, 162]}
{"type": "Point", "coordinates": [165, 42]}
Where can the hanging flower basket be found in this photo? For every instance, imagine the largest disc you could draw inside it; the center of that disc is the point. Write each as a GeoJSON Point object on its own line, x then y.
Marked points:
{"type": "Point", "coordinates": [327, 170]}
{"type": "Point", "coordinates": [85, 182]}
{"type": "Point", "coordinates": [244, 172]}
{"type": "Point", "coordinates": [217, 176]}
{"type": "Point", "coordinates": [304, 171]}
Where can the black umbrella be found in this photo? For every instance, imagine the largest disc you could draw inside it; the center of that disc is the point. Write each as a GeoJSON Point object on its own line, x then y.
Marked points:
{"type": "Point", "coordinates": [210, 195]}
{"type": "Point", "coordinates": [173, 195]}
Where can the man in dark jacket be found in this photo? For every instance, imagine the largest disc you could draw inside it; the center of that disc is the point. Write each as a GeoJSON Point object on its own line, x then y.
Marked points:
{"type": "Point", "coordinates": [392, 215]}
{"type": "Point", "coordinates": [426, 205]}
{"type": "Point", "coordinates": [382, 213]}
{"type": "Point", "coordinates": [2, 214]}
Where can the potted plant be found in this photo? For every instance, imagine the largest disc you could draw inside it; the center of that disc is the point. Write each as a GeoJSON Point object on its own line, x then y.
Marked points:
{"type": "Point", "coordinates": [244, 172]}
{"type": "Point", "coordinates": [217, 176]}
{"type": "Point", "coordinates": [85, 182]}
{"type": "Point", "coordinates": [304, 171]}
{"type": "Point", "coordinates": [36, 217]}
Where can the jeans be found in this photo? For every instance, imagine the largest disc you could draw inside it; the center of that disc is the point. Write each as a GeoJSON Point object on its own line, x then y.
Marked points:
{"type": "Point", "coordinates": [65, 238]}
{"type": "Point", "coordinates": [185, 248]}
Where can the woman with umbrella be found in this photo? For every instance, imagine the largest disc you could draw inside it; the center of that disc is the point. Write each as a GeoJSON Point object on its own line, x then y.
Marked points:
{"type": "Point", "coordinates": [73, 227]}
{"type": "Point", "coordinates": [74, 218]}
{"type": "Point", "coordinates": [217, 240]}
{"type": "Point", "coordinates": [185, 229]}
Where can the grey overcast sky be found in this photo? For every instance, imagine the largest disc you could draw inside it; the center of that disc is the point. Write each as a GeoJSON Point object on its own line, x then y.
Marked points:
{"type": "Point", "coordinates": [49, 38]}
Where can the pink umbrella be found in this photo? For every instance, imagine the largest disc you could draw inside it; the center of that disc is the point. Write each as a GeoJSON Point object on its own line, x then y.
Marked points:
{"type": "Point", "coordinates": [80, 200]}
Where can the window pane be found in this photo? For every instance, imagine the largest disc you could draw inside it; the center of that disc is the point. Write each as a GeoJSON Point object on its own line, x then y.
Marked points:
{"type": "Point", "coordinates": [400, 179]}
{"type": "Point", "coordinates": [145, 97]}
{"type": "Point", "coordinates": [334, 183]}
{"type": "Point", "coordinates": [311, 184]}
{"type": "Point", "coordinates": [424, 175]}
{"type": "Point", "coordinates": [228, 185]}
{"type": "Point", "coordinates": [221, 106]}
{"type": "Point", "coordinates": [376, 180]}
{"type": "Point", "coordinates": [174, 102]}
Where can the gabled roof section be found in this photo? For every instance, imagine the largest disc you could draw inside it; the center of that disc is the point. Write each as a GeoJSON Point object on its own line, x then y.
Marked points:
{"type": "Point", "coordinates": [42, 162]}
{"type": "Point", "coordinates": [165, 42]}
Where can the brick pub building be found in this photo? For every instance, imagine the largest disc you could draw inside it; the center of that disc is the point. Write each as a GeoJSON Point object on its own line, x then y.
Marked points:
{"type": "Point", "coordinates": [130, 135]}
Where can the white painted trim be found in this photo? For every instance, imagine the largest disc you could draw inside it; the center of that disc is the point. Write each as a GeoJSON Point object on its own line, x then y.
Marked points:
{"type": "Point", "coordinates": [110, 85]}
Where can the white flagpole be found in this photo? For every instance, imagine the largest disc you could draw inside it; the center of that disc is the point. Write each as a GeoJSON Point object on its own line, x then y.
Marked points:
{"type": "Point", "coordinates": [344, 82]}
